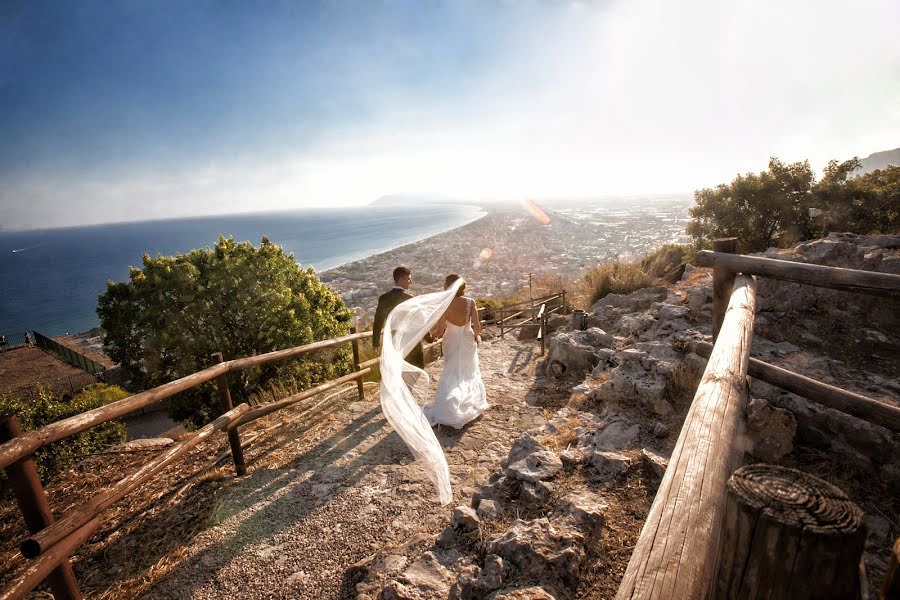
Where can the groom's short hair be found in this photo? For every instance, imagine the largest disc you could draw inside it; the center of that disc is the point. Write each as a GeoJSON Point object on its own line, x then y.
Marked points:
{"type": "Point", "coordinates": [401, 272]}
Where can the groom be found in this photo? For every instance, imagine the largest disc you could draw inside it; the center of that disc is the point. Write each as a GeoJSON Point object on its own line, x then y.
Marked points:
{"type": "Point", "coordinates": [386, 303]}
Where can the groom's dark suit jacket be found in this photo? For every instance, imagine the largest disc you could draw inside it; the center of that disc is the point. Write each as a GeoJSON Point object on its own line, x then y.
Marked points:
{"type": "Point", "coordinates": [386, 303]}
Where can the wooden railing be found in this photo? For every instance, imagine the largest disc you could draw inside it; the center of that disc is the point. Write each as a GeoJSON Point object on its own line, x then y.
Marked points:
{"type": "Point", "coordinates": [678, 550]}
{"type": "Point", "coordinates": [528, 310]}
{"type": "Point", "coordinates": [52, 542]}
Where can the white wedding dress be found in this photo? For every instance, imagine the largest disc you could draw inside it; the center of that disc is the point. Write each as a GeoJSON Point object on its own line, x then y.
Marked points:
{"type": "Point", "coordinates": [460, 395]}
{"type": "Point", "coordinates": [405, 387]}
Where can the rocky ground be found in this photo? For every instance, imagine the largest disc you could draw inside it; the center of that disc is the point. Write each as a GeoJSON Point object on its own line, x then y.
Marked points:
{"type": "Point", "coordinates": [548, 518]}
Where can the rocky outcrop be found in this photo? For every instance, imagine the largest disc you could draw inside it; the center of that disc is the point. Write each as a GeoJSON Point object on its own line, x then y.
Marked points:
{"type": "Point", "coordinates": [578, 352]}
{"type": "Point", "coordinates": [771, 430]}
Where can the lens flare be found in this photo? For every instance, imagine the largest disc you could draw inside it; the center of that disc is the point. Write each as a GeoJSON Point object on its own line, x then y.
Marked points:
{"type": "Point", "coordinates": [535, 211]}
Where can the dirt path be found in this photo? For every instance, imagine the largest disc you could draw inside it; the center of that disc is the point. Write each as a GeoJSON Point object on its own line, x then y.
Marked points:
{"type": "Point", "coordinates": [333, 495]}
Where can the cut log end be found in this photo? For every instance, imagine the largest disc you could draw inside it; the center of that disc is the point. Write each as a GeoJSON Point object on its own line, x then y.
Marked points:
{"type": "Point", "coordinates": [796, 499]}
{"type": "Point", "coordinates": [788, 535]}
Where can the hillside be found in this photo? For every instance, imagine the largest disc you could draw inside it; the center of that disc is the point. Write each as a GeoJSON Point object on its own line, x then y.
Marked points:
{"type": "Point", "coordinates": [880, 160]}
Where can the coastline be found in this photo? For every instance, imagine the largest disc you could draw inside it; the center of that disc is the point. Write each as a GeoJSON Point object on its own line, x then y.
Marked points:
{"type": "Point", "coordinates": [495, 254]}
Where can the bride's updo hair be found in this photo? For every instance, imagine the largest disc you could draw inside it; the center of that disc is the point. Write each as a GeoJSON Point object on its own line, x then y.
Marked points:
{"type": "Point", "coordinates": [448, 281]}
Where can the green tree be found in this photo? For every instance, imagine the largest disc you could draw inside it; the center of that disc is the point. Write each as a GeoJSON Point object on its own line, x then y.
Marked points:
{"type": "Point", "coordinates": [869, 203]}
{"type": "Point", "coordinates": [757, 208]}
{"type": "Point", "coordinates": [175, 311]}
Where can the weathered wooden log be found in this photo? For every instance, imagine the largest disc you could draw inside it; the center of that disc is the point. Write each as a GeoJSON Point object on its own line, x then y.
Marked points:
{"type": "Point", "coordinates": [25, 444]}
{"type": "Point", "coordinates": [39, 569]}
{"type": "Point", "coordinates": [261, 359]}
{"type": "Point", "coordinates": [675, 555]}
{"type": "Point", "coordinates": [35, 509]}
{"type": "Point", "coordinates": [79, 515]}
{"type": "Point", "coordinates": [837, 278]}
{"type": "Point", "coordinates": [28, 442]}
{"type": "Point", "coordinates": [722, 284]}
{"type": "Point", "coordinates": [234, 436]}
{"type": "Point", "coordinates": [360, 388]}
{"type": "Point", "coordinates": [845, 401]}
{"type": "Point", "coordinates": [266, 409]}
{"type": "Point", "coordinates": [890, 587]}
{"type": "Point", "coordinates": [788, 535]}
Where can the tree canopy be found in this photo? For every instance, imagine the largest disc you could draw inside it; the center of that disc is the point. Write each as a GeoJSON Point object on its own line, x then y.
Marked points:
{"type": "Point", "coordinates": [773, 207]}
{"type": "Point", "coordinates": [234, 298]}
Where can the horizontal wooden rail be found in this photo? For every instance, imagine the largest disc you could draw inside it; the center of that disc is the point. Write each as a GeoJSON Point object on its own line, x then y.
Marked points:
{"type": "Point", "coordinates": [266, 409]}
{"type": "Point", "coordinates": [676, 553]}
{"type": "Point", "coordinates": [28, 442]}
{"type": "Point", "coordinates": [837, 278]}
{"type": "Point", "coordinates": [39, 569]}
{"type": "Point", "coordinates": [79, 515]}
{"type": "Point", "coordinates": [547, 298]}
{"type": "Point", "coordinates": [845, 401]}
{"type": "Point", "coordinates": [261, 359]}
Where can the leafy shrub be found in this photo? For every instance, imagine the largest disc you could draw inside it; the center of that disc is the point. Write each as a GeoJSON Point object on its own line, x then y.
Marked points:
{"type": "Point", "coordinates": [47, 408]}
{"type": "Point", "coordinates": [176, 311]}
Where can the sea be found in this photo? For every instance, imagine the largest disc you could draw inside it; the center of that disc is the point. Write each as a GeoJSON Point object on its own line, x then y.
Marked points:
{"type": "Point", "coordinates": [50, 278]}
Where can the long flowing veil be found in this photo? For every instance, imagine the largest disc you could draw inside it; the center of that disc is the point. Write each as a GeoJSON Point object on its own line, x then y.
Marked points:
{"type": "Point", "coordinates": [405, 387]}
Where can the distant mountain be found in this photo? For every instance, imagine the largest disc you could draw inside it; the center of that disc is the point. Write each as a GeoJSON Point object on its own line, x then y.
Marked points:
{"type": "Point", "coordinates": [880, 160]}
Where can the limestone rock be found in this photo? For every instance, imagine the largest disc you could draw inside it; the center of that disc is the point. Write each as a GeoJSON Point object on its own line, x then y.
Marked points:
{"type": "Point", "coordinates": [771, 430]}
{"type": "Point", "coordinates": [492, 574]}
{"type": "Point", "coordinates": [488, 509]}
{"type": "Point", "coordinates": [537, 492]}
{"type": "Point", "coordinates": [610, 465]}
{"type": "Point", "coordinates": [576, 351]}
{"type": "Point", "coordinates": [638, 378]}
{"type": "Point", "coordinates": [584, 510]}
{"type": "Point", "coordinates": [618, 433]}
{"type": "Point", "coordinates": [465, 519]}
{"type": "Point", "coordinates": [492, 490]}
{"type": "Point", "coordinates": [655, 462]}
{"type": "Point", "coordinates": [530, 461]}
{"type": "Point", "coordinates": [522, 593]}
{"type": "Point", "coordinates": [527, 333]}
{"type": "Point", "coordinates": [635, 301]}
{"type": "Point", "coordinates": [541, 551]}
{"type": "Point", "coordinates": [660, 430]}
{"type": "Point", "coordinates": [426, 578]}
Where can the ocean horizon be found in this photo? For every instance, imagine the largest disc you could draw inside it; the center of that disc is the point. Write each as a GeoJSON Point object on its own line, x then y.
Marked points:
{"type": "Point", "coordinates": [51, 278]}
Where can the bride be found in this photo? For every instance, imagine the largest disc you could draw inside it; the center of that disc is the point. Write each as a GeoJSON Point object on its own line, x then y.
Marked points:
{"type": "Point", "coordinates": [460, 395]}
{"type": "Point", "coordinates": [405, 387]}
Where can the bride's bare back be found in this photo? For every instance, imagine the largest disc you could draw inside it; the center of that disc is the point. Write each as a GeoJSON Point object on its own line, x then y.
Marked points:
{"type": "Point", "coordinates": [460, 310]}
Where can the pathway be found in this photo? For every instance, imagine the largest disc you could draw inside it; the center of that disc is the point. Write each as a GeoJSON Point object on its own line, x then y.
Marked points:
{"type": "Point", "coordinates": [338, 490]}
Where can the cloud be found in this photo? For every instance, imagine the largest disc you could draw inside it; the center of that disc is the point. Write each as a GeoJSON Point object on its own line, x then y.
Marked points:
{"type": "Point", "coordinates": [584, 100]}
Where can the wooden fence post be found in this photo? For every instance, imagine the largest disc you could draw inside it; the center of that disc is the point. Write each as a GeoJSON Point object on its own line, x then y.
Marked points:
{"type": "Point", "coordinates": [787, 534]}
{"type": "Point", "coordinates": [500, 311]}
{"type": "Point", "coordinates": [723, 282]}
{"type": "Point", "coordinates": [359, 382]}
{"type": "Point", "coordinates": [32, 500]}
{"type": "Point", "coordinates": [234, 438]}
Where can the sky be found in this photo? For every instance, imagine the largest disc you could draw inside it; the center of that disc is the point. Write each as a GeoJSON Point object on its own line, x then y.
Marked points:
{"type": "Point", "coordinates": [131, 110]}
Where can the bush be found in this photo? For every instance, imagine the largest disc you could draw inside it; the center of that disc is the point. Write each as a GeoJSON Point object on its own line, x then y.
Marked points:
{"type": "Point", "coordinates": [623, 276]}
{"type": "Point", "coordinates": [47, 408]}
{"type": "Point", "coordinates": [234, 298]}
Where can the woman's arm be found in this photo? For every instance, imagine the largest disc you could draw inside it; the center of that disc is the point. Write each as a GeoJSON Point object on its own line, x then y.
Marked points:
{"type": "Point", "coordinates": [441, 327]}
{"type": "Point", "coordinates": [476, 321]}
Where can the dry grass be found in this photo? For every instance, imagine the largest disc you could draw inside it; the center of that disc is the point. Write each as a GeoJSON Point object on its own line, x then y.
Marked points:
{"type": "Point", "coordinates": [623, 276]}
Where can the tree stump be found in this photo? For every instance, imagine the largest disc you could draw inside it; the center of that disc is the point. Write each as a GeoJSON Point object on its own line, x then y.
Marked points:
{"type": "Point", "coordinates": [788, 535]}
